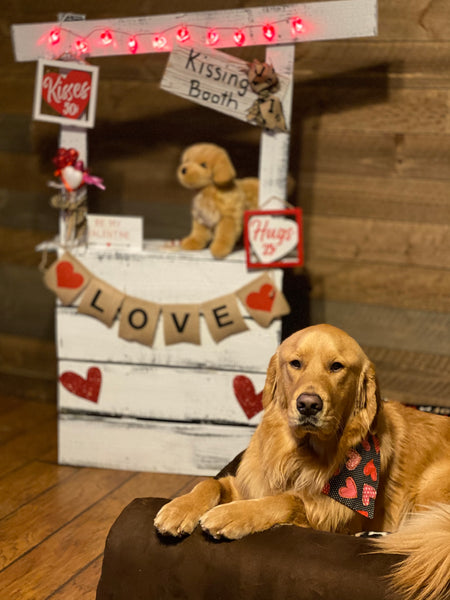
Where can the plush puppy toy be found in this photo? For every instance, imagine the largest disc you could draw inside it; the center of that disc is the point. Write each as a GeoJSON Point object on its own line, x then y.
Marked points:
{"type": "Point", "coordinates": [218, 207]}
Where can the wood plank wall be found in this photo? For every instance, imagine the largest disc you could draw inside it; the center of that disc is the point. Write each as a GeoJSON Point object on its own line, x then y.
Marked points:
{"type": "Point", "coordinates": [370, 155]}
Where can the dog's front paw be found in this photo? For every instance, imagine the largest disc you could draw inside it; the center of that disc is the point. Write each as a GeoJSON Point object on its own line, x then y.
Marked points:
{"type": "Point", "coordinates": [232, 521]}
{"type": "Point", "coordinates": [177, 518]}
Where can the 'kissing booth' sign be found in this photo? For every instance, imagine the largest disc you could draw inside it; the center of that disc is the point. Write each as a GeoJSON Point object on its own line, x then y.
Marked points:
{"type": "Point", "coordinates": [214, 79]}
{"type": "Point", "coordinates": [65, 93]}
{"type": "Point", "coordinates": [273, 238]}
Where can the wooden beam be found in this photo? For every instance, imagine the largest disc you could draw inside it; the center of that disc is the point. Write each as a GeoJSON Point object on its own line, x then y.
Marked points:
{"type": "Point", "coordinates": [336, 19]}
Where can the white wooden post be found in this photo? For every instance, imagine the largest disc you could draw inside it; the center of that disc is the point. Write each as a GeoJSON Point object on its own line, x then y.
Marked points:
{"type": "Point", "coordinates": [328, 20]}
{"type": "Point", "coordinates": [274, 148]}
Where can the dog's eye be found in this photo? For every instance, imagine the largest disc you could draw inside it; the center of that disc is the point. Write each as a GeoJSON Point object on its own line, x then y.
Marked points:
{"type": "Point", "coordinates": [296, 364]}
{"type": "Point", "coordinates": [204, 165]}
{"type": "Point", "coordinates": [336, 366]}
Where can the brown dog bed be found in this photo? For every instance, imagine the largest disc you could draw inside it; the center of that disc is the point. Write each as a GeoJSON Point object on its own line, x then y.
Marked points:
{"type": "Point", "coordinates": [284, 563]}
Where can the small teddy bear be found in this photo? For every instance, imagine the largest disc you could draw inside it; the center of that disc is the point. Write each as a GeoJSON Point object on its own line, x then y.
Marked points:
{"type": "Point", "coordinates": [218, 207]}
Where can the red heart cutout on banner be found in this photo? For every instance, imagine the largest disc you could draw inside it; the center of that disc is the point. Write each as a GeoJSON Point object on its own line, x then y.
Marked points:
{"type": "Point", "coordinates": [88, 388]}
{"type": "Point", "coordinates": [250, 401]}
{"type": "Point", "coordinates": [67, 277]}
{"type": "Point", "coordinates": [349, 491]}
{"type": "Point", "coordinates": [262, 300]}
{"type": "Point", "coordinates": [368, 493]}
{"type": "Point", "coordinates": [67, 93]}
{"type": "Point", "coordinates": [370, 469]}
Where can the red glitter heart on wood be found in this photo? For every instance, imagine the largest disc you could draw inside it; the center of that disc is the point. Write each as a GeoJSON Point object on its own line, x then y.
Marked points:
{"type": "Point", "coordinates": [88, 388]}
{"type": "Point", "coordinates": [250, 401]}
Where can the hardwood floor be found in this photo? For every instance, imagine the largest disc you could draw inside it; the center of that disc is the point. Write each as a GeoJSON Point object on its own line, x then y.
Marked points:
{"type": "Point", "coordinates": [54, 519]}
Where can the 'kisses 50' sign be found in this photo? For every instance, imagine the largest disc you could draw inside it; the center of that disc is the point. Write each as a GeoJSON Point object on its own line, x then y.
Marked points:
{"type": "Point", "coordinates": [65, 93]}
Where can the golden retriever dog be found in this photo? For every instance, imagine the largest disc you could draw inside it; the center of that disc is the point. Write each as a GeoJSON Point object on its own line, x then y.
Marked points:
{"type": "Point", "coordinates": [322, 414]}
{"type": "Point", "coordinates": [221, 199]}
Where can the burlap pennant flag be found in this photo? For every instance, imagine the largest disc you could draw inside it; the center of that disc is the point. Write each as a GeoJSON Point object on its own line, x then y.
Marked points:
{"type": "Point", "coordinates": [138, 320]}
{"type": "Point", "coordinates": [181, 323]}
{"type": "Point", "coordinates": [271, 111]}
{"type": "Point", "coordinates": [263, 300]}
{"type": "Point", "coordinates": [67, 278]}
{"type": "Point", "coordinates": [101, 300]}
{"type": "Point", "coordinates": [267, 111]}
{"type": "Point", "coordinates": [223, 317]}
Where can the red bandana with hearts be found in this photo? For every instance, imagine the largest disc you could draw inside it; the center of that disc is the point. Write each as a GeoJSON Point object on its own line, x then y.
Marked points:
{"type": "Point", "coordinates": [355, 485]}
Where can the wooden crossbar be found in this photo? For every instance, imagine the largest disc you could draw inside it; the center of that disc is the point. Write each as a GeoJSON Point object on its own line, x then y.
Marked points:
{"type": "Point", "coordinates": [334, 19]}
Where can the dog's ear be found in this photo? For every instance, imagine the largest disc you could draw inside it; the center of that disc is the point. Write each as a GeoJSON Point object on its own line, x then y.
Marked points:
{"type": "Point", "coordinates": [223, 170]}
{"type": "Point", "coordinates": [365, 409]}
{"type": "Point", "coordinates": [270, 385]}
{"type": "Point", "coordinates": [368, 396]}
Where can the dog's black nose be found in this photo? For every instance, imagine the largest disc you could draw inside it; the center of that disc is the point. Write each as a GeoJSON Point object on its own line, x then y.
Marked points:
{"type": "Point", "coordinates": [309, 405]}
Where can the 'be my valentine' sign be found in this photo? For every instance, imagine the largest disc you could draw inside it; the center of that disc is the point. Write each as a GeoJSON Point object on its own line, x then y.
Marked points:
{"type": "Point", "coordinates": [65, 93]}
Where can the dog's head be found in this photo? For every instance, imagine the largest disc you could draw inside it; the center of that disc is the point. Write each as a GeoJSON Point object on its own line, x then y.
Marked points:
{"type": "Point", "coordinates": [203, 164]}
{"type": "Point", "coordinates": [324, 384]}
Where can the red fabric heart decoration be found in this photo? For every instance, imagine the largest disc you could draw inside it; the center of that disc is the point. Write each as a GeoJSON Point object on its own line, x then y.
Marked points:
{"type": "Point", "coordinates": [67, 277]}
{"type": "Point", "coordinates": [354, 458]}
{"type": "Point", "coordinates": [368, 493]}
{"type": "Point", "coordinates": [349, 491]}
{"type": "Point", "coordinates": [88, 388]}
{"type": "Point", "coordinates": [69, 93]}
{"type": "Point", "coordinates": [371, 470]}
{"type": "Point", "coordinates": [366, 445]}
{"type": "Point", "coordinates": [250, 401]}
{"type": "Point", "coordinates": [262, 300]}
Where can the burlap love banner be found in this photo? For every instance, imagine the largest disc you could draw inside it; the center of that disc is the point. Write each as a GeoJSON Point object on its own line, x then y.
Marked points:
{"type": "Point", "coordinates": [138, 318]}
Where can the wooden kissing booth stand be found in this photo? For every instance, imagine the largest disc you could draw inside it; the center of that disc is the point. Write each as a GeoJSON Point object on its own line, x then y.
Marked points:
{"type": "Point", "coordinates": [181, 392]}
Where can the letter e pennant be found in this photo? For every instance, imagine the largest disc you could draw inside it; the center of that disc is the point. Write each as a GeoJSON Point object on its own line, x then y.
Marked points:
{"type": "Point", "coordinates": [223, 317]}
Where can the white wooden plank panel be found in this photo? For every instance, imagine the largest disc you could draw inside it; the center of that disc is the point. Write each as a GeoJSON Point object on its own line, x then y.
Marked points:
{"type": "Point", "coordinates": [335, 19]}
{"type": "Point", "coordinates": [170, 277]}
{"type": "Point", "coordinates": [274, 147]}
{"type": "Point", "coordinates": [140, 445]}
{"type": "Point", "coordinates": [81, 337]}
{"type": "Point", "coordinates": [161, 393]}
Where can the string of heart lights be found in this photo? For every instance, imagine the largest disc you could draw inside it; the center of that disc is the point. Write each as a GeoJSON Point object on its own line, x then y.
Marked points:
{"type": "Point", "coordinates": [165, 40]}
